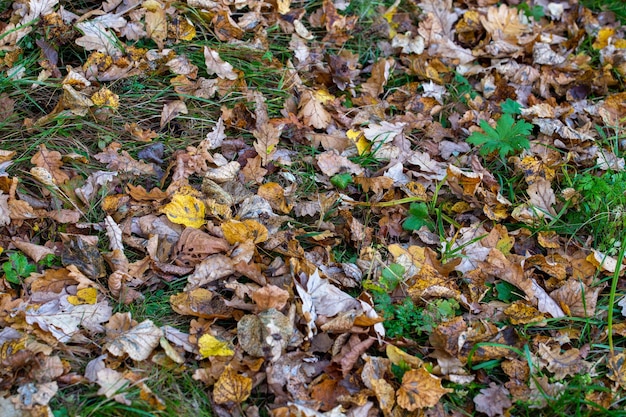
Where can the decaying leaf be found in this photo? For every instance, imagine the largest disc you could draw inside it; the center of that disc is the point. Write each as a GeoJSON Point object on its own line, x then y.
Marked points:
{"type": "Point", "coordinates": [420, 389]}
{"type": "Point", "coordinates": [171, 110]}
{"type": "Point", "coordinates": [62, 319]}
{"type": "Point", "coordinates": [493, 401]}
{"type": "Point", "coordinates": [215, 65]}
{"type": "Point", "coordinates": [138, 342]}
{"type": "Point", "coordinates": [231, 387]}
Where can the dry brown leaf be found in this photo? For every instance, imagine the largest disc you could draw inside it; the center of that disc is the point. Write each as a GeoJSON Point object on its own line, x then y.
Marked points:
{"type": "Point", "coordinates": [563, 364]}
{"type": "Point", "coordinates": [312, 109]}
{"type": "Point", "coordinates": [270, 296]}
{"type": "Point", "coordinates": [50, 161]}
{"type": "Point", "coordinates": [576, 298]}
{"type": "Point", "coordinates": [156, 21]}
{"type": "Point", "coordinates": [331, 163]}
{"type": "Point", "coordinates": [172, 110]}
{"type": "Point", "coordinates": [493, 401]}
{"type": "Point", "coordinates": [215, 65]}
{"type": "Point", "coordinates": [275, 195]}
{"type": "Point", "coordinates": [420, 389]}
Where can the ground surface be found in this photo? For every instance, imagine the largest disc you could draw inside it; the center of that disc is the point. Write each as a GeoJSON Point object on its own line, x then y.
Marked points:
{"type": "Point", "coordinates": [318, 208]}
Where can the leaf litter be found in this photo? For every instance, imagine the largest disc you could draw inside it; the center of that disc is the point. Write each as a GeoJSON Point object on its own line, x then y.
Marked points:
{"type": "Point", "coordinates": [414, 275]}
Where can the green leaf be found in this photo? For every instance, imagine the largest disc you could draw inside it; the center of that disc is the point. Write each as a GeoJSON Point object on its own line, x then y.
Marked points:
{"type": "Point", "coordinates": [391, 276]}
{"type": "Point", "coordinates": [21, 265]}
{"type": "Point", "coordinates": [418, 217]}
{"type": "Point", "coordinates": [10, 274]}
{"type": "Point", "coordinates": [341, 181]}
{"type": "Point", "coordinates": [511, 107]}
{"type": "Point", "coordinates": [507, 137]}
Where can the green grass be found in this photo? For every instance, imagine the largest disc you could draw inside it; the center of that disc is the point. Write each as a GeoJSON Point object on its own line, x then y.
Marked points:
{"type": "Point", "coordinates": [615, 6]}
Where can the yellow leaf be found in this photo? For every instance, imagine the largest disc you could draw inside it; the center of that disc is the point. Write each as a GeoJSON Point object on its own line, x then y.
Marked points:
{"type": "Point", "coordinates": [236, 231]}
{"type": "Point", "coordinates": [211, 346]}
{"type": "Point", "coordinates": [357, 137]}
{"type": "Point", "coordinates": [185, 209]}
{"type": "Point", "coordinates": [231, 387]}
{"type": "Point", "coordinates": [275, 195]}
{"type": "Point", "coordinates": [105, 97]}
{"type": "Point", "coordinates": [84, 296]}
{"type": "Point", "coordinates": [323, 96]}
{"type": "Point", "coordinates": [603, 38]}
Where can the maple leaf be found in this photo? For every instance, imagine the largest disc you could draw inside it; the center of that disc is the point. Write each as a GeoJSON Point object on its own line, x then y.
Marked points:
{"type": "Point", "coordinates": [312, 109]}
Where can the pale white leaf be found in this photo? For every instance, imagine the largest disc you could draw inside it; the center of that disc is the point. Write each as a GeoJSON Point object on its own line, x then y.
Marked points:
{"type": "Point", "coordinates": [138, 342]}
{"type": "Point", "coordinates": [96, 37]}
{"type": "Point", "coordinates": [215, 65]}
{"type": "Point", "coordinates": [216, 137]}
{"type": "Point", "coordinates": [63, 319]}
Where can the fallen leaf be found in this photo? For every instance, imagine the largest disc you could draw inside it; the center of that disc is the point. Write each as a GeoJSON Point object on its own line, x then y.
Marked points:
{"type": "Point", "coordinates": [186, 210]}
{"type": "Point", "coordinates": [420, 389]}
{"type": "Point", "coordinates": [493, 401]}
{"type": "Point", "coordinates": [231, 387]}
{"type": "Point", "coordinates": [312, 109]}
{"type": "Point", "coordinates": [171, 110]}
{"type": "Point", "coordinates": [51, 162]}
{"type": "Point", "coordinates": [209, 345]}
{"type": "Point", "coordinates": [236, 231]}
{"type": "Point", "coordinates": [215, 65]}
{"type": "Point", "coordinates": [62, 319]}
{"type": "Point", "coordinates": [138, 342]}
